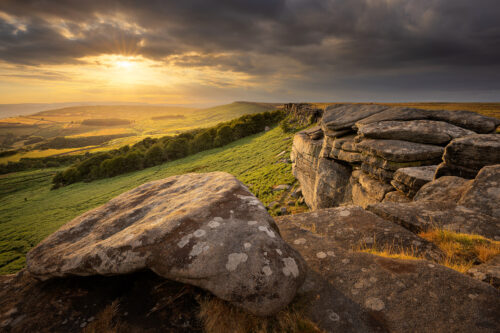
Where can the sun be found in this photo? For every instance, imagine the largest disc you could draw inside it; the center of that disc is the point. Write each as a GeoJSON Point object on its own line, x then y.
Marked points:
{"type": "Point", "coordinates": [125, 64]}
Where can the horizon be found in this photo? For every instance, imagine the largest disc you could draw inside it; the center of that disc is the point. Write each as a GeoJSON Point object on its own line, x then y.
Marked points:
{"type": "Point", "coordinates": [207, 53]}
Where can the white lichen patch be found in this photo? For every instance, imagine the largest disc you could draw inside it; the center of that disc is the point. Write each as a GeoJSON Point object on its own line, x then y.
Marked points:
{"type": "Point", "coordinates": [333, 316]}
{"type": "Point", "coordinates": [376, 304]}
{"type": "Point", "coordinates": [321, 255]}
{"type": "Point", "coordinates": [330, 253]}
{"type": "Point", "coordinates": [299, 241]}
{"type": "Point", "coordinates": [268, 231]}
{"type": "Point", "coordinates": [247, 246]}
{"type": "Point", "coordinates": [252, 222]}
{"type": "Point", "coordinates": [184, 240]}
{"type": "Point", "coordinates": [290, 267]}
{"type": "Point", "coordinates": [213, 224]}
{"type": "Point", "coordinates": [199, 248]}
{"type": "Point", "coordinates": [234, 259]}
{"type": "Point", "coordinates": [199, 233]}
{"type": "Point", "coordinates": [344, 213]}
{"type": "Point", "coordinates": [267, 270]}
{"type": "Point", "coordinates": [279, 251]}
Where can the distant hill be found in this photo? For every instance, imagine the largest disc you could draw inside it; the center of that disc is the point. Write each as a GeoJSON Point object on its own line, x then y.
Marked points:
{"type": "Point", "coordinates": [127, 124]}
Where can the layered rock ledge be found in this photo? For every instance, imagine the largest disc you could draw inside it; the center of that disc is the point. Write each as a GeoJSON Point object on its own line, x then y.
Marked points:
{"type": "Point", "coordinates": [399, 149]}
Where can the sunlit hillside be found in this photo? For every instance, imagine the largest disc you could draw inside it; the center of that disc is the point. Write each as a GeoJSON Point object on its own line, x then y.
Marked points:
{"type": "Point", "coordinates": [96, 128]}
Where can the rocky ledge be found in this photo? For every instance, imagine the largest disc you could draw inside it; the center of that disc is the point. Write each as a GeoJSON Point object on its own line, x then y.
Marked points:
{"type": "Point", "coordinates": [361, 154]}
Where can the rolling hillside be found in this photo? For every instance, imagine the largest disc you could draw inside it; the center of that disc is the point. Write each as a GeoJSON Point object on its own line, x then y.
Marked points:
{"type": "Point", "coordinates": [30, 211]}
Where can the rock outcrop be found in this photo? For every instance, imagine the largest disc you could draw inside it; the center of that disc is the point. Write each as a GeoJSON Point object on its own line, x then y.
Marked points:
{"type": "Point", "coordinates": [399, 148]}
{"type": "Point", "coordinates": [206, 230]}
{"type": "Point", "coordinates": [359, 292]}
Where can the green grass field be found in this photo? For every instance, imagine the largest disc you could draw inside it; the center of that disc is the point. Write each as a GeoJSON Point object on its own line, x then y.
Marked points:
{"type": "Point", "coordinates": [30, 211]}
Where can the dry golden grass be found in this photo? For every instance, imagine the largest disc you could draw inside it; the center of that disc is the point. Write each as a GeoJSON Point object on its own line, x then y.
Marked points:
{"type": "Point", "coordinates": [389, 252]}
{"type": "Point", "coordinates": [462, 251]}
{"type": "Point", "coordinates": [219, 317]}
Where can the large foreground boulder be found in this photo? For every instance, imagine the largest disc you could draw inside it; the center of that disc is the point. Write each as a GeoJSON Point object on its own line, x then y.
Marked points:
{"type": "Point", "coordinates": [207, 230]}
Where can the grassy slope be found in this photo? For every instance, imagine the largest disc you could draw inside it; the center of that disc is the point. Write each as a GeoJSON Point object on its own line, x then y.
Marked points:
{"type": "Point", "coordinates": [25, 223]}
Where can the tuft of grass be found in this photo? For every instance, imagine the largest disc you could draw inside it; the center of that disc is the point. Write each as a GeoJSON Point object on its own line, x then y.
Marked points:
{"type": "Point", "coordinates": [390, 252]}
{"type": "Point", "coordinates": [462, 250]}
{"type": "Point", "coordinates": [219, 316]}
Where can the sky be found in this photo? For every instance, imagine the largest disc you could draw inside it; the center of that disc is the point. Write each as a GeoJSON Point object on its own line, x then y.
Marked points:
{"type": "Point", "coordinates": [210, 52]}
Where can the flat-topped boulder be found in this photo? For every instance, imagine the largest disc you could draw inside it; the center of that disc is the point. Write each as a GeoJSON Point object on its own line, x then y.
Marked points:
{"type": "Point", "coordinates": [207, 230]}
{"type": "Point", "coordinates": [341, 117]}
{"type": "Point", "coordinates": [447, 188]}
{"type": "Point", "coordinates": [484, 192]}
{"type": "Point", "coordinates": [465, 119]}
{"type": "Point", "coordinates": [352, 227]}
{"type": "Point", "coordinates": [466, 156]}
{"type": "Point", "coordinates": [400, 151]}
{"type": "Point", "coordinates": [397, 295]}
{"type": "Point", "coordinates": [423, 215]}
{"type": "Point", "coordinates": [420, 131]}
{"type": "Point", "coordinates": [410, 180]}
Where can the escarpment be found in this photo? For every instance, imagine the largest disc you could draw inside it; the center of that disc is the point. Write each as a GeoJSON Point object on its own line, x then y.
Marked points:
{"type": "Point", "coordinates": [368, 151]}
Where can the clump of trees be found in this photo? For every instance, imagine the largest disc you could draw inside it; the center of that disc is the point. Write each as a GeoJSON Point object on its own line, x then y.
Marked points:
{"type": "Point", "coordinates": [62, 142]}
{"type": "Point", "coordinates": [150, 152]}
{"type": "Point", "coordinates": [26, 163]}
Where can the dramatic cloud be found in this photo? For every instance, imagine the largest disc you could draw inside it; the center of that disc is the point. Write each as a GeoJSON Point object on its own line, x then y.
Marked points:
{"type": "Point", "coordinates": [357, 49]}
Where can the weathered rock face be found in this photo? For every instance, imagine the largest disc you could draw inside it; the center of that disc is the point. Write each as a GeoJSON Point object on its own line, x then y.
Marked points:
{"type": "Point", "coordinates": [400, 151]}
{"type": "Point", "coordinates": [484, 192]}
{"type": "Point", "coordinates": [421, 131]}
{"type": "Point", "coordinates": [343, 117]}
{"type": "Point", "coordinates": [410, 180]}
{"type": "Point", "coordinates": [422, 215]}
{"type": "Point", "coordinates": [360, 292]}
{"type": "Point", "coordinates": [465, 156]}
{"type": "Point", "coordinates": [447, 188]}
{"type": "Point", "coordinates": [367, 190]}
{"type": "Point", "coordinates": [303, 113]}
{"type": "Point", "coordinates": [465, 119]}
{"type": "Point", "coordinates": [353, 228]}
{"type": "Point", "coordinates": [207, 230]}
{"type": "Point", "coordinates": [379, 141]}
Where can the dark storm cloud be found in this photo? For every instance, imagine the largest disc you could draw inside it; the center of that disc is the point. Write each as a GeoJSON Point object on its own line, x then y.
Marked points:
{"type": "Point", "coordinates": [264, 37]}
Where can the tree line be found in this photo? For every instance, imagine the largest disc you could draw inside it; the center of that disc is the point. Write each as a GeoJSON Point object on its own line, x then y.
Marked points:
{"type": "Point", "coordinates": [150, 151]}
